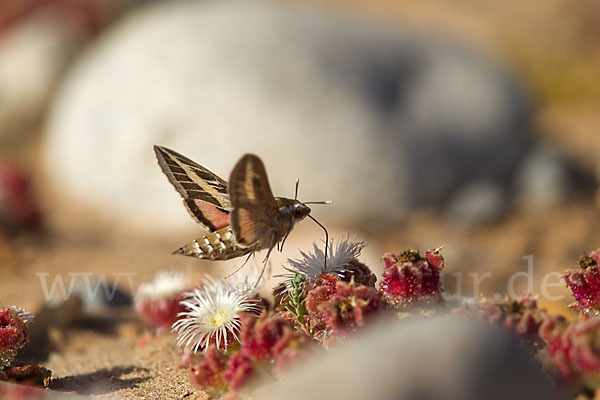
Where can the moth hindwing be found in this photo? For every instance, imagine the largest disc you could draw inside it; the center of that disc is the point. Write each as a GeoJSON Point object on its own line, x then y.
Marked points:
{"type": "Point", "coordinates": [204, 193]}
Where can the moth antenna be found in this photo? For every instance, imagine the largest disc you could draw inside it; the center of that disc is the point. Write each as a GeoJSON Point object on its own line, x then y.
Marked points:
{"type": "Point", "coordinates": [297, 184]}
{"type": "Point", "coordinates": [319, 202]}
{"type": "Point", "coordinates": [326, 239]}
{"type": "Point", "coordinates": [240, 267]}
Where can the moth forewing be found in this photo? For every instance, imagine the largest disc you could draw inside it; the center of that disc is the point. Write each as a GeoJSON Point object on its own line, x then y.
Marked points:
{"type": "Point", "coordinates": [248, 184]}
{"type": "Point", "coordinates": [254, 212]}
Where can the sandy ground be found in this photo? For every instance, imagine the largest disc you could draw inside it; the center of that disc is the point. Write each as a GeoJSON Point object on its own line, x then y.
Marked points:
{"type": "Point", "coordinates": [104, 356]}
{"type": "Point", "coordinates": [120, 365]}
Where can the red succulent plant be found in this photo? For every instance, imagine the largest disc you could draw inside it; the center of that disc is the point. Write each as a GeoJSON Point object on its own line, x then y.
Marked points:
{"type": "Point", "coordinates": [584, 282]}
{"type": "Point", "coordinates": [410, 277]}
{"type": "Point", "coordinates": [14, 335]}
{"type": "Point", "coordinates": [265, 341]}
{"type": "Point", "coordinates": [158, 302]}
{"type": "Point", "coordinates": [340, 307]}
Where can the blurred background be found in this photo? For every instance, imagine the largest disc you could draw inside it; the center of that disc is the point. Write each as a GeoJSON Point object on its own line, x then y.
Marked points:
{"type": "Point", "coordinates": [469, 124]}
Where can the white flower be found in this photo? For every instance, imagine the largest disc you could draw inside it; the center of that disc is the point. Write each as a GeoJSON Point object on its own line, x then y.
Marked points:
{"type": "Point", "coordinates": [251, 284]}
{"type": "Point", "coordinates": [164, 284]}
{"type": "Point", "coordinates": [213, 312]}
{"type": "Point", "coordinates": [312, 265]}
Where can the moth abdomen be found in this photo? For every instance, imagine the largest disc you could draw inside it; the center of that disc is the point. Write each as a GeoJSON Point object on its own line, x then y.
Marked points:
{"type": "Point", "coordinates": [219, 245]}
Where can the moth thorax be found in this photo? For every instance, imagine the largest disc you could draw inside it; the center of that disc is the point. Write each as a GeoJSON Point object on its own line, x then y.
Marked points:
{"type": "Point", "coordinates": [293, 208]}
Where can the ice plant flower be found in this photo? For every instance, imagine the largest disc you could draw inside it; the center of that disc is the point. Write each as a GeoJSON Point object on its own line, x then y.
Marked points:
{"type": "Point", "coordinates": [212, 315]}
{"type": "Point", "coordinates": [240, 370]}
{"type": "Point", "coordinates": [312, 265]}
{"type": "Point", "coordinates": [158, 301]}
{"type": "Point", "coordinates": [273, 338]}
{"type": "Point", "coordinates": [552, 331]}
{"type": "Point", "coordinates": [522, 318]}
{"type": "Point", "coordinates": [339, 307]}
{"type": "Point", "coordinates": [583, 337]}
{"type": "Point", "coordinates": [266, 342]}
{"type": "Point", "coordinates": [410, 277]}
{"type": "Point", "coordinates": [519, 318]}
{"type": "Point", "coordinates": [584, 282]}
{"type": "Point", "coordinates": [207, 374]}
{"type": "Point", "coordinates": [14, 334]}
{"type": "Point", "coordinates": [573, 347]}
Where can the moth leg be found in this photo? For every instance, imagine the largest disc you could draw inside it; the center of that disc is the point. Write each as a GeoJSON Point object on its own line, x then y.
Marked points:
{"type": "Point", "coordinates": [241, 266]}
{"type": "Point", "coordinates": [286, 236]}
{"type": "Point", "coordinates": [271, 247]}
{"type": "Point", "coordinates": [261, 275]}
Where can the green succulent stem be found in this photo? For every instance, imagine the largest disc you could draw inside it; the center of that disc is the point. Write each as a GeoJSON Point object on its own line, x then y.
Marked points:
{"type": "Point", "coordinates": [297, 303]}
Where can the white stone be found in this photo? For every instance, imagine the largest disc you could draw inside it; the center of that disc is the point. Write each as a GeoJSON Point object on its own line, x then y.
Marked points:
{"type": "Point", "coordinates": [376, 120]}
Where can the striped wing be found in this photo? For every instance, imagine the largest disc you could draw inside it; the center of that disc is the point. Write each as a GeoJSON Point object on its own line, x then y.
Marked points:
{"type": "Point", "coordinates": [254, 213]}
{"type": "Point", "coordinates": [204, 193]}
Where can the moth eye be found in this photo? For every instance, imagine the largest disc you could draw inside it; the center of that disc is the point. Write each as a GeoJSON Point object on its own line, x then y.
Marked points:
{"type": "Point", "coordinates": [301, 211]}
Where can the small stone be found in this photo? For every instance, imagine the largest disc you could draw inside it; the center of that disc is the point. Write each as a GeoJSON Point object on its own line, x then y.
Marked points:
{"type": "Point", "coordinates": [542, 179]}
{"type": "Point", "coordinates": [478, 203]}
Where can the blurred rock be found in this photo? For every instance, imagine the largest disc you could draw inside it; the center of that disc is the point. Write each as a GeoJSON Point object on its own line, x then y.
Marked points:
{"type": "Point", "coordinates": [53, 316]}
{"type": "Point", "coordinates": [420, 359]}
{"type": "Point", "coordinates": [377, 120]}
{"type": "Point", "coordinates": [543, 179]}
{"type": "Point", "coordinates": [38, 38]}
{"type": "Point", "coordinates": [477, 203]}
{"type": "Point", "coordinates": [33, 53]}
{"type": "Point", "coordinates": [98, 294]}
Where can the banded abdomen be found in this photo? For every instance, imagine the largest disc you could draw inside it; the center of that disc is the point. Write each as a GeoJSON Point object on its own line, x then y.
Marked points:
{"type": "Point", "coordinates": [218, 245]}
